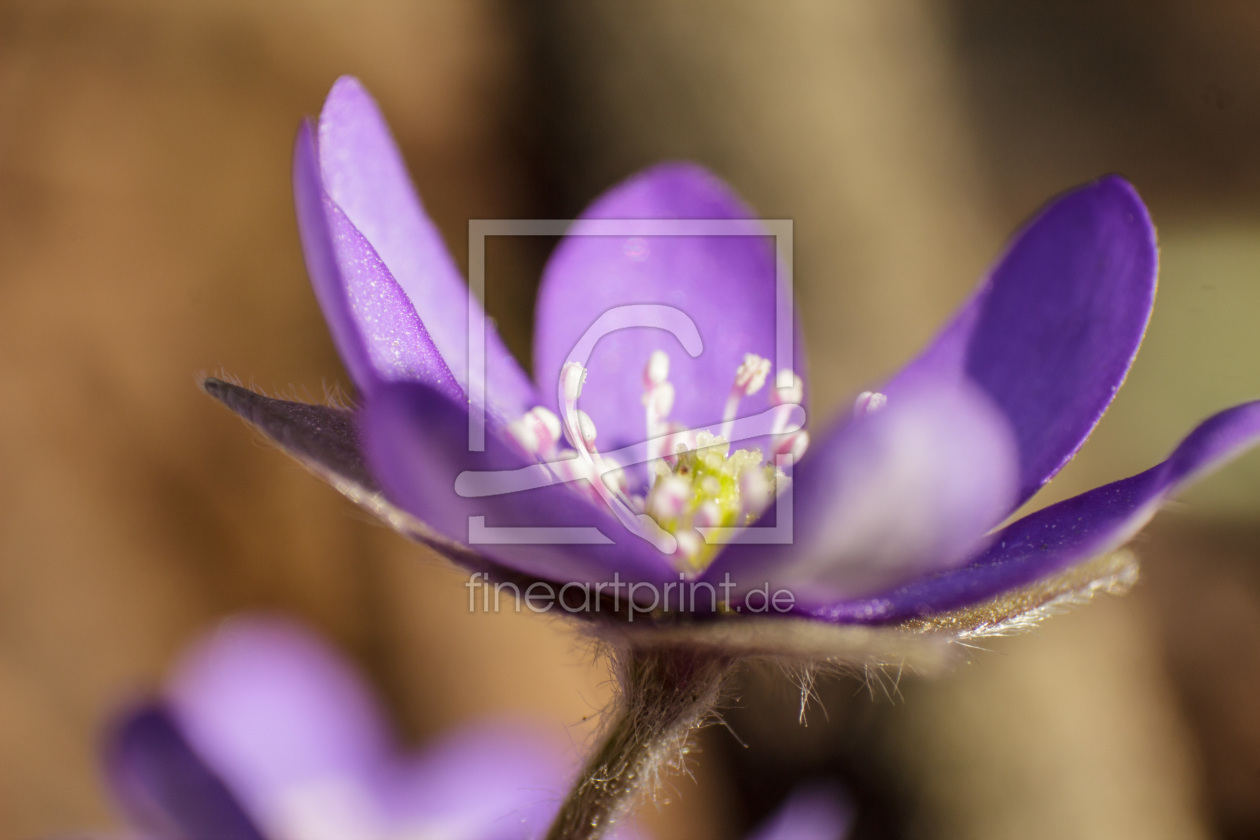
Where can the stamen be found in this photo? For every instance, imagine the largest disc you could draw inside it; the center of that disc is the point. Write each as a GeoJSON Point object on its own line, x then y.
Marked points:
{"type": "Point", "coordinates": [546, 427]}
{"type": "Point", "coordinates": [702, 486]}
{"type": "Point", "coordinates": [792, 395]}
{"type": "Point", "coordinates": [657, 370]}
{"type": "Point", "coordinates": [785, 399]}
{"type": "Point", "coordinates": [658, 401]}
{"type": "Point", "coordinates": [697, 481]}
{"type": "Point", "coordinates": [708, 515]}
{"type": "Point", "coordinates": [523, 433]}
{"type": "Point", "coordinates": [750, 376]}
{"type": "Point", "coordinates": [678, 439]}
{"type": "Point", "coordinates": [573, 377]}
{"type": "Point", "coordinates": [755, 492]}
{"type": "Point", "coordinates": [586, 428]}
{"type": "Point", "coordinates": [537, 432]}
{"type": "Point", "coordinates": [572, 468]}
{"type": "Point", "coordinates": [580, 431]}
{"type": "Point", "coordinates": [794, 445]}
{"type": "Point", "coordinates": [668, 498]}
{"type": "Point", "coordinates": [614, 475]}
{"type": "Point", "coordinates": [691, 546]}
{"type": "Point", "coordinates": [869, 402]}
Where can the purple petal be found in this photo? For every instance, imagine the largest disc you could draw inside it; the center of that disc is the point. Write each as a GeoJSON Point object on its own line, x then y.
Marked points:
{"type": "Point", "coordinates": [1059, 536]}
{"type": "Point", "coordinates": [277, 714]}
{"type": "Point", "coordinates": [375, 327]}
{"type": "Point", "coordinates": [366, 177]}
{"type": "Point", "coordinates": [1052, 331]}
{"type": "Point", "coordinates": [416, 443]}
{"type": "Point", "coordinates": [489, 781]}
{"type": "Point", "coordinates": [725, 284]}
{"type": "Point", "coordinates": [325, 440]}
{"type": "Point", "coordinates": [816, 812]}
{"type": "Point", "coordinates": [905, 490]}
{"type": "Point", "coordinates": [166, 787]}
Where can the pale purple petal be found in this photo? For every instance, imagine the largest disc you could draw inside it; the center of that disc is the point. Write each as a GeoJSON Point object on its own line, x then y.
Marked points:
{"type": "Point", "coordinates": [725, 284]}
{"type": "Point", "coordinates": [489, 782]}
{"type": "Point", "coordinates": [277, 714]}
{"type": "Point", "coordinates": [366, 177]}
{"type": "Point", "coordinates": [166, 787]}
{"type": "Point", "coordinates": [375, 328]}
{"type": "Point", "coordinates": [416, 443]}
{"type": "Point", "coordinates": [815, 812]}
{"type": "Point", "coordinates": [1052, 331]}
{"type": "Point", "coordinates": [899, 492]}
{"type": "Point", "coordinates": [1075, 530]}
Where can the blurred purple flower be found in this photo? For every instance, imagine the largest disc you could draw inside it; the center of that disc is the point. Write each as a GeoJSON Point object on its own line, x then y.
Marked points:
{"type": "Point", "coordinates": [894, 504]}
{"type": "Point", "coordinates": [262, 732]}
{"type": "Point", "coordinates": [265, 734]}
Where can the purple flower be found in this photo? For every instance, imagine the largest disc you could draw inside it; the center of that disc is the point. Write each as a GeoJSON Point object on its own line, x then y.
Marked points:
{"type": "Point", "coordinates": [894, 505]}
{"type": "Point", "coordinates": [262, 732]}
{"type": "Point", "coordinates": [265, 734]}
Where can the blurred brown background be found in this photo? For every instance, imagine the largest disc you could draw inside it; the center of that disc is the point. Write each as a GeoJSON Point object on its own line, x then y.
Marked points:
{"type": "Point", "coordinates": [147, 235]}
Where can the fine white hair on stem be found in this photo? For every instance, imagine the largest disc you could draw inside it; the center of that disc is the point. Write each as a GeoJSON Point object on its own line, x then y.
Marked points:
{"type": "Point", "coordinates": [664, 694]}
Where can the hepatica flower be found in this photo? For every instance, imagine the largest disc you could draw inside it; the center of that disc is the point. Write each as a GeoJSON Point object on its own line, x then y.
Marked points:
{"type": "Point", "coordinates": [263, 733]}
{"type": "Point", "coordinates": [662, 441]}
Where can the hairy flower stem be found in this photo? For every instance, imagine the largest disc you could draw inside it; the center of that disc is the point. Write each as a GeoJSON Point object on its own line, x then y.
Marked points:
{"type": "Point", "coordinates": [666, 693]}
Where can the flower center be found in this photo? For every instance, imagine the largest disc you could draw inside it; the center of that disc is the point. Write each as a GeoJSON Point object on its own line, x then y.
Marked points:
{"type": "Point", "coordinates": [695, 482]}
{"type": "Point", "coordinates": [708, 487]}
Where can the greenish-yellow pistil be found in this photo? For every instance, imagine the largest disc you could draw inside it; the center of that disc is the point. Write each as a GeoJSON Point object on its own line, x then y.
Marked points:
{"type": "Point", "coordinates": [700, 493]}
{"type": "Point", "coordinates": [708, 487]}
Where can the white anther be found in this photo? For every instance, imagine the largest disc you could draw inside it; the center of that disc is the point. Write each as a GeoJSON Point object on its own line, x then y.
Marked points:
{"type": "Point", "coordinates": [751, 375]}
{"type": "Point", "coordinates": [523, 433]}
{"type": "Point", "coordinates": [547, 420]}
{"type": "Point", "coordinates": [707, 515]}
{"type": "Point", "coordinates": [658, 400]}
{"type": "Point", "coordinates": [793, 445]}
{"type": "Point", "coordinates": [657, 370]}
{"type": "Point", "coordinates": [668, 498]}
{"type": "Point", "coordinates": [543, 428]}
{"type": "Point", "coordinates": [869, 402]}
{"type": "Point", "coordinates": [755, 492]}
{"type": "Point", "coordinates": [690, 544]}
{"type": "Point", "coordinates": [793, 395]}
{"type": "Point", "coordinates": [583, 425]}
{"type": "Point", "coordinates": [784, 400]}
{"type": "Point", "coordinates": [573, 376]}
